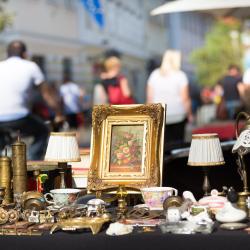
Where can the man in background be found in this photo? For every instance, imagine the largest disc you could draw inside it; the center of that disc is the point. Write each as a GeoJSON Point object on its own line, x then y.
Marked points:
{"type": "Point", "coordinates": [230, 85]}
{"type": "Point", "coordinates": [17, 77]}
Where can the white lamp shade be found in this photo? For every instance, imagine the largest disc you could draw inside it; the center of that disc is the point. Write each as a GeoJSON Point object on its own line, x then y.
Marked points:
{"type": "Point", "coordinates": [205, 150]}
{"type": "Point", "coordinates": [242, 145]}
{"type": "Point", "coordinates": [62, 147]}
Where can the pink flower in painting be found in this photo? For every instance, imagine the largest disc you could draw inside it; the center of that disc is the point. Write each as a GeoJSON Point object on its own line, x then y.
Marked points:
{"type": "Point", "coordinates": [125, 150]}
{"type": "Point", "coordinates": [120, 156]}
{"type": "Point", "coordinates": [128, 136]}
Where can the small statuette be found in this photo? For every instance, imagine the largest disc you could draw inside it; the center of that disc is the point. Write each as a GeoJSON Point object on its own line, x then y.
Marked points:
{"type": "Point", "coordinates": [119, 229]}
{"type": "Point", "coordinates": [229, 213]}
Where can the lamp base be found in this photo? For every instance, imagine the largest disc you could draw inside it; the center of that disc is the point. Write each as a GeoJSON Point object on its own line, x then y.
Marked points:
{"type": "Point", "coordinates": [242, 204]}
{"type": "Point", "coordinates": [206, 184]}
{"type": "Point", "coordinates": [62, 166]}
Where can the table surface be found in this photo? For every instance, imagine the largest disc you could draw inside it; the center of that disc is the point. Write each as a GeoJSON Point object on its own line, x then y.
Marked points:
{"type": "Point", "coordinates": [220, 239]}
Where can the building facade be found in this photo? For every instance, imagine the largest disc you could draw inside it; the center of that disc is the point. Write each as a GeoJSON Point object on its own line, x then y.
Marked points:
{"type": "Point", "coordinates": [186, 32]}
{"type": "Point", "coordinates": [62, 36]}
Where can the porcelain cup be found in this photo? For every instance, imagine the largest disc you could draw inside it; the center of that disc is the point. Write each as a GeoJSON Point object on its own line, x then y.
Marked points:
{"type": "Point", "coordinates": [155, 196]}
{"type": "Point", "coordinates": [62, 197]}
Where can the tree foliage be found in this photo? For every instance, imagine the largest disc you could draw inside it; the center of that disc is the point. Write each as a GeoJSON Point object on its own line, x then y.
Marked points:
{"type": "Point", "coordinates": [5, 18]}
{"type": "Point", "coordinates": [222, 47]}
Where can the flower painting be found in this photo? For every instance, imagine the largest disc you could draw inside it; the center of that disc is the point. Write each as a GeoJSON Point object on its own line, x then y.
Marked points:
{"type": "Point", "coordinates": [126, 148]}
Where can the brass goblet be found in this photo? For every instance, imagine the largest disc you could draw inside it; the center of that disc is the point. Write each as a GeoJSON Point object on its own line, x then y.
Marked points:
{"type": "Point", "coordinates": [2, 194]}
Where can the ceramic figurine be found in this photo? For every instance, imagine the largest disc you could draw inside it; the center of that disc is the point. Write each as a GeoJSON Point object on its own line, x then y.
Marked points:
{"type": "Point", "coordinates": [173, 214]}
{"type": "Point", "coordinates": [189, 195]}
{"type": "Point", "coordinates": [229, 213]}
{"type": "Point", "coordinates": [214, 201]}
{"type": "Point", "coordinates": [119, 229]}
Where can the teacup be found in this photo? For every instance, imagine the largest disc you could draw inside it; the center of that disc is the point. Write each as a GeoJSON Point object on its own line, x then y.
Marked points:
{"type": "Point", "coordinates": [155, 196]}
{"type": "Point", "coordinates": [62, 197]}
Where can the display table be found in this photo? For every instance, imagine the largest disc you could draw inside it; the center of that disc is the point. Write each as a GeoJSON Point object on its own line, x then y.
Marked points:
{"type": "Point", "coordinates": [220, 239]}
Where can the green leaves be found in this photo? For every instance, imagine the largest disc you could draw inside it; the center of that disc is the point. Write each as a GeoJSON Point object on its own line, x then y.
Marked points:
{"type": "Point", "coordinates": [222, 48]}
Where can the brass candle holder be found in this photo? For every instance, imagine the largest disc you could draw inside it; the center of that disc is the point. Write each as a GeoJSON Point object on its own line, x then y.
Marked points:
{"type": "Point", "coordinates": [242, 147]}
{"type": "Point", "coordinates": [19, 164]}
{"type": "Point", "coordinates": [5, 178]}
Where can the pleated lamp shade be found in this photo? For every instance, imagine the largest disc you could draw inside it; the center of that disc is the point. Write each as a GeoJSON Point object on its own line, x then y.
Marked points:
{"type": "Point", "coordinates": [205, 150]}
{"type": "Point", "coordinates": [62, 147]}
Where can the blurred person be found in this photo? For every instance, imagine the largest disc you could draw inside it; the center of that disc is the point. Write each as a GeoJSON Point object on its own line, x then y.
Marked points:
{"type": "Point", "coordinates": [244, 89]}
{"type": "Point", "coordinates": [230, 87]}
{"type": "Point", "coordinates": [169, 85]}
{"type": "Point", "coordinates": [114, 83]}
{"type": "Point", "coordinates": [72, 98]}
{"type": "Point", "coordinates": [18, 76]}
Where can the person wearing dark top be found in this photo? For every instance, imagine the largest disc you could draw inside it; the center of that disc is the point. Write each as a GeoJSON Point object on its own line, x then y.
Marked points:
{"type": "Point", "coordinates": [231, 95]}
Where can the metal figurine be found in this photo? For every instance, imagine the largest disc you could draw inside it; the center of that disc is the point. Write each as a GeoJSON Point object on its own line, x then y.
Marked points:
{"type": "Point", "coordinates": [19, 164]}
{"type": "Point", "coordinates": [5, 178]}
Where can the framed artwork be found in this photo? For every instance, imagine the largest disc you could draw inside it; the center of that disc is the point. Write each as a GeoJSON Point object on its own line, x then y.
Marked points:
{"type": "Point", "coordinates": [126, 146]}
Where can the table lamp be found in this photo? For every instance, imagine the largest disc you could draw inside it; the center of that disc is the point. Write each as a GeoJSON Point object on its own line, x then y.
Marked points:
{"type": "Point", "coordinates": [242, 147]}
{"type": "Point", "coordinates": [205, 151]}
{"type": "Point", "coordinates": [62, 148]}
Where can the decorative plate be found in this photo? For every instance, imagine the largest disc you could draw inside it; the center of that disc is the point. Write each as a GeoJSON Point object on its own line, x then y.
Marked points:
{"type": "Point", "coordinates": [233, 226]}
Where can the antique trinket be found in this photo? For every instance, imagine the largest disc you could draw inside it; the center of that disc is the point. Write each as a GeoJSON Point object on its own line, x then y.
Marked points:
{"type": "Point", "coordinates": [73, 224]}
{"type": "Point", "coordinates": [5, 178]}
{"type": "Point", "coordinates": [19, 167]}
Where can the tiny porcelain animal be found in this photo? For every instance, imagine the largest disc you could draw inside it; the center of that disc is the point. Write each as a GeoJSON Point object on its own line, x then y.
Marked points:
{"type": "Point", "coordinates": [229, 213]}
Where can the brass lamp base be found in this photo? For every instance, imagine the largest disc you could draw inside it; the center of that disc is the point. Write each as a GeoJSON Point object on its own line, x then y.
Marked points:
{"type": "Point", "coordinates": [242, 204]}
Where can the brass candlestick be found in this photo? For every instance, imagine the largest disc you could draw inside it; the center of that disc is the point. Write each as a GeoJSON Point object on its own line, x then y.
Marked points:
{"type": "Point", "coordinates": [242, 147]}
{"type": "Point", "coordinates": [19, 164]}
{"type": "Point", "coordinates": [122, 204]}
{"type": "Point", "coordinates": [5, 178]}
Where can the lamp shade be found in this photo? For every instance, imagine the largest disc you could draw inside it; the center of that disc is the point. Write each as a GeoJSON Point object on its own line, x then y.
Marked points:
{"type": "Point", "coordinates": [62, 147]}
{"type": "Point", "coordinates": [205, 150]}
{"type": "Point", "coordinates": [242, 145]}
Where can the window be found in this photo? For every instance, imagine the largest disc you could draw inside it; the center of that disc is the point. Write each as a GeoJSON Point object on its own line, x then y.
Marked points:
{"type": "Point", "coordinates": [67, 67]}
{"type": "Point", "coordinates": [40, 61]}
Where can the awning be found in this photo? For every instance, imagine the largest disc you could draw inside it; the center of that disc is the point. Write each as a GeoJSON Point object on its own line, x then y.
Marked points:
{"type": "Point", "coordinates": [216, 7]}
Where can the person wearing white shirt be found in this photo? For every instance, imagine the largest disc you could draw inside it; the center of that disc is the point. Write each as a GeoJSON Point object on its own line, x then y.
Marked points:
{"type": "Point", "coordinates": [72, 97]}
{"type": "Point", "coordinates": [18, 76]}
{"type": "Point", "coordinates": [169, 85]}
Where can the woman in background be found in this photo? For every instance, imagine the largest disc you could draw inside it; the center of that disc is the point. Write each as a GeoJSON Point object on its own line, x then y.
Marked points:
{"type": "Point", "coordinates": [114, 83]}
{"type": "Point", "coordinates": [169, 85]}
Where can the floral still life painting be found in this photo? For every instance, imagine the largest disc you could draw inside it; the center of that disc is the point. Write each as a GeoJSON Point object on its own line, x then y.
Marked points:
{"type": "Point", "coordinates": [126, 148]}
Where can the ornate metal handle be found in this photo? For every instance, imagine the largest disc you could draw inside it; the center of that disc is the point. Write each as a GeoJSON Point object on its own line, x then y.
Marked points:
{"type": "Point", "coordinates": [247, 116]}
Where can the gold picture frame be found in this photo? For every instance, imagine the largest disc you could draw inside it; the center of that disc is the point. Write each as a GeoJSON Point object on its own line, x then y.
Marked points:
{"type": "Point", "coordinates": [126, 146]}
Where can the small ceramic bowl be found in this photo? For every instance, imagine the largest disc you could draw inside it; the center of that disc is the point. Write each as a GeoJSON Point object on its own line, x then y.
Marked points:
{"type": "Point", "coordinates": [155, 196]}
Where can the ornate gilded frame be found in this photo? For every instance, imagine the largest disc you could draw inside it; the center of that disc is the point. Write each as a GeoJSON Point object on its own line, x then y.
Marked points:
{"type": "Point", "coordinates": [104, 118]}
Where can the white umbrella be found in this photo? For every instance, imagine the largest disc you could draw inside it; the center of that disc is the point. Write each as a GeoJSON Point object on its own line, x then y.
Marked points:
{"type": "Point", "coordinates": [200, 5]}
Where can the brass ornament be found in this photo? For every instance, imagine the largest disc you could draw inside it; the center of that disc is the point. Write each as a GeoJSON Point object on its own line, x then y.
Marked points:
{"type": "Point", "coordinates": [5, 179]}
{"type": "Point", "coordinates": [14, 215]}
{"type": "Point", "coordinates": [19, 165]}
{"type": "Point", "coordinates": [4, 216]}
{"type": "Point", "coordinates": [73, 224]}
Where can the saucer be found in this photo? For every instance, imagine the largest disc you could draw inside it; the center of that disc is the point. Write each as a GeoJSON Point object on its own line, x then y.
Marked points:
{"type": "Point", "coordinates": [233, 226]}
{"type": "Point", "coordinates": [146, 206]}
